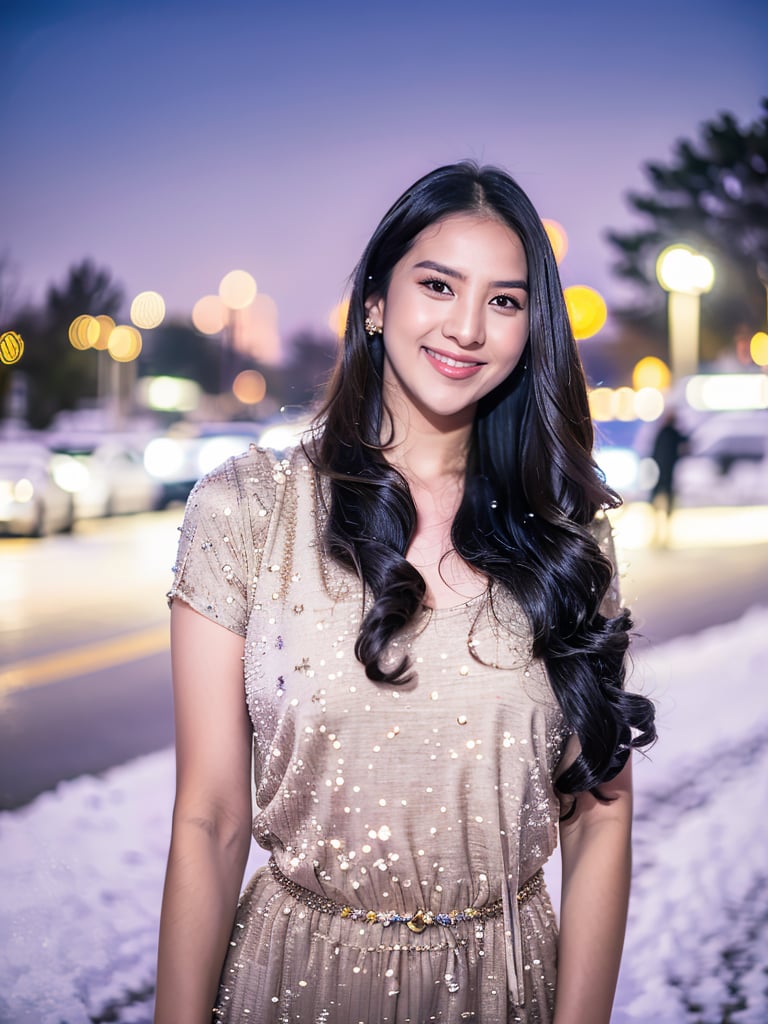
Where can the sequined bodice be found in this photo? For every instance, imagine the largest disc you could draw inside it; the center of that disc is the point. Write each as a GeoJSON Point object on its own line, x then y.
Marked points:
{"type": "Point", "coordinates": [371, 792]}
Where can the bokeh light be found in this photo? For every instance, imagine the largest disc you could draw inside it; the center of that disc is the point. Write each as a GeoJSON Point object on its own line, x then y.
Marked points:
{"type": "Point", "coordinates": [164, 457]}
{"type": "Point", "coordinates": [11, 347]}
{"type": "Point", "coordinates": [84, 332]}
{"type": "Point", "coordinates": [558, 239]}
{"type": "Point", "coordinates": [587, 310]}
{"type": "Point", "coordinates": [106, 326]}
{"type": "Point", "coordinates": [680, 268]}
{"type": "Point", "coordinates": [624, 404]}
{"type": "Point", "coordinates": [168, 394]}
{"type": "Point", "coordinates": [758, 348]}
{"type": "Point", "coordinates": [124, 343]}
{"type": "Point", "coordinates": [651, 372]}
{"type": "Point", "coordinates": [249, 387]}
{"type": "Point", "coordinates": [601, 403]}
{"type": "Point", "coordinates": [209, 314]}
{"type": "Point", "coordinates": [649, 404]}
{"type": "Point", "coordinates": [720, 392]}
{"type": "Point", "coordinates": [148, 310]}
{"type": "Point", "coordinates": [337, 319]}
{"type": "Point", "coordinates": [237, 289]}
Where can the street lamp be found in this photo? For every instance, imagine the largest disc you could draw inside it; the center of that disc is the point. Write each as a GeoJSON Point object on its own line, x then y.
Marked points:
{"type": "Point", "coordinates": [686, 275]}
{"type": "Point", "coordinates": [237, 290]}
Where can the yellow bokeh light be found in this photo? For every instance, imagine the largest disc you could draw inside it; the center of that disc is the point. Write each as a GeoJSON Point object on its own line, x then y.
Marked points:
{"type": "Point", "coordinates": [587, 310]}
{"type": "Point", "coordinates": [106, 326]}
{"type": "Point", "coordinates": [249, 387]}
{"type": "Point", "coordinates": [758, 348]}
{"type": "Point", "coordinates": [651, 372]}
{"type": "Point", "coordinates": [237, 289]}
{"type": "Point", "coordinates": [84, 332]}
{"type": "Point", "coordinates": [557, 238]}
{"type": "Point", "coordinates": [124, 343]}
{"type": "Point", "coordinates": [337, 319]}
{"type": "Point", "coordinates": [209, 314]}
{"type": "Point", "coordinates": [649, 404]}
{"type": "Point", "coordinates": [11, 348]}
{"type": "Point", "coordinates": [148, 310]}
{"type": "Point", "coordinates": [601, 403]}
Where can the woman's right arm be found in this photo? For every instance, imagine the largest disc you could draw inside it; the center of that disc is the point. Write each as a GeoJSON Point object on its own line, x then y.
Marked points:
{"type": "Point", "coordinates": [211, 818]}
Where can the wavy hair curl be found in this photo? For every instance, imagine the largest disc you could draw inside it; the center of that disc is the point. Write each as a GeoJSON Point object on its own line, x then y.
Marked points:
{"type": "Point", "coordinates": [531, 486]}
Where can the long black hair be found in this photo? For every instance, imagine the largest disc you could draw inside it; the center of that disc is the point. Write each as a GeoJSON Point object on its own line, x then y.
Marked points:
{"type": "Point", "coordinates": [531, 485]}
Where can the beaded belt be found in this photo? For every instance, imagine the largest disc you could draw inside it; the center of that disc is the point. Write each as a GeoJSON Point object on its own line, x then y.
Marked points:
{"type": "Point", "coordinates": [417, 921]}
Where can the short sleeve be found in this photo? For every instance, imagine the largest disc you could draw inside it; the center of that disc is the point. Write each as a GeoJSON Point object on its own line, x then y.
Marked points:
{"type": "Point", "coordinates": [603, 533]}
{"type": "Point", "coordinates": [226, 522]}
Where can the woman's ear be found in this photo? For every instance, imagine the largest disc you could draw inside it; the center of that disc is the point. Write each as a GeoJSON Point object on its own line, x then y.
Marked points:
{"type": "Point", "coordinates": [374, 309]}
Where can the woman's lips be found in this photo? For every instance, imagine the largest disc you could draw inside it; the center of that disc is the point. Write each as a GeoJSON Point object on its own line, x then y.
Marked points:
{"type": "Point", "coordinates": [450, 366]}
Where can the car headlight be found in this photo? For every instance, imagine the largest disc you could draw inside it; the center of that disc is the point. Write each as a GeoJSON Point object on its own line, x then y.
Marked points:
{"type": "Point", "coordinates": [163, 458]}
{"type": "Point", "coordinates": [619, 466]}
{"type": "Point", "coordinates": [70, 474]}
{"type": "Point", "coordinates": [23, 490]}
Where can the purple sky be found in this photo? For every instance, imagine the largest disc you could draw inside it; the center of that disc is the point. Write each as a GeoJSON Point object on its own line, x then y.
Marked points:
{"type": "Point", "coordinates": [175, 141]}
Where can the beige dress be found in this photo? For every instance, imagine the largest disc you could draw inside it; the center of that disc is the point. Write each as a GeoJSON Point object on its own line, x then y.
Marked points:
{"type": "Point", "coordinates": [434, 795]}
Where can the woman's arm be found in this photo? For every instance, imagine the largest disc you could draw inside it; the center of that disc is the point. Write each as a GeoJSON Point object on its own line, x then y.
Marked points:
{"type": "Point", "coordinates": [596, 857]}
{"type": "Point", "coordinates": [211, 817]}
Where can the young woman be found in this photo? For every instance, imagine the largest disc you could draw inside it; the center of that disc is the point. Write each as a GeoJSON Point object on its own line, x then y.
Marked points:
{"type": "Point", "coordinates": [411, 626]}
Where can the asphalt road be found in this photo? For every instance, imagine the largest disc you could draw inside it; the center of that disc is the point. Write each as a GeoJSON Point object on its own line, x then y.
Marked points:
{"type": "Point", "coordinates": [84, 665]}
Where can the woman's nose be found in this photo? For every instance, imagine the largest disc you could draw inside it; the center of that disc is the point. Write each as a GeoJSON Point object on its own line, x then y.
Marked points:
{"type": "Point", "coordinates": [465, 324]}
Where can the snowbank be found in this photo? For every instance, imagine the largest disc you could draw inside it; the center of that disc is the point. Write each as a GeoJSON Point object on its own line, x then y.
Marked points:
{"type": "Point", "coordinates": [81, 868]}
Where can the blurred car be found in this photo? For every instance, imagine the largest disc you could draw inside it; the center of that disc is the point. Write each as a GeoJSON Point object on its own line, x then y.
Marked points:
{"type": "Point", "coordinates": [177, 460]}
{"type": "Point", "coordinates": [111, 478]}
{"type": "Point", "coordinates": [726, 461]}
{"type": "Point", "coordinates": [32, 503]}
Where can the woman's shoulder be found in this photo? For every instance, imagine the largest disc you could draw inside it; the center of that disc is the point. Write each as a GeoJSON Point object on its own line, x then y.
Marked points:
{"type": "Point", "coordinates": [255, 475]}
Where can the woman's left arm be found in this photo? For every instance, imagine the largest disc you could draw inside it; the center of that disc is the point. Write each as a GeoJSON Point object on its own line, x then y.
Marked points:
{"type": "Point", "coordinates": [597, 860]}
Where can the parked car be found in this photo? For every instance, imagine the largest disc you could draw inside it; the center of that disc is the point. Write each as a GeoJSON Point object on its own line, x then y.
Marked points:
{"type": "Point", "coordinates": [113, 478]}
{"type": "Point", "coordinates": [726, 460]}
{"type": "Point", "coordinates": [178, 459]}
{"type": "Point", "coordinates": [32, 502]}
{"type": "Point", "coordinates": [723, 462]}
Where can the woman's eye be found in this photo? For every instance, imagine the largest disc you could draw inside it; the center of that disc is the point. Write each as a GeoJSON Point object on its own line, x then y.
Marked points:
{"type": "Point", "coordinates": [435, 284]}
{"type": "Point", "coordinates": [507, 302]}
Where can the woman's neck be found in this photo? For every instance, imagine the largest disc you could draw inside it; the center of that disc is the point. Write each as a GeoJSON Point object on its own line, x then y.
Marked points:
{"type": "Point", "coordinates": [427, 449]}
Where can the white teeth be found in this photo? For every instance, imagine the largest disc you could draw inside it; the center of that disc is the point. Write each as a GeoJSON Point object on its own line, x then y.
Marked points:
{"type": "Point", "coordinates": [448, 361]}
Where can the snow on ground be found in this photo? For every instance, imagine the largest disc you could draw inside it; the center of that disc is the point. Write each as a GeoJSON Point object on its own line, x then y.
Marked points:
{"type": "Point", "coordinates": [81, 868]}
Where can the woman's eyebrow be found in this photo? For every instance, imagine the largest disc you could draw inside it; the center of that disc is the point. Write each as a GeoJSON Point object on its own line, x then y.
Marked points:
{"type": "Point", "coordinates": [450, 272]}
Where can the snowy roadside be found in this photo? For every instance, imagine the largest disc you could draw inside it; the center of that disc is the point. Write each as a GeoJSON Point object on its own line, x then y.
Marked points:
{"type": "Point", "coordinates": [81, 868]}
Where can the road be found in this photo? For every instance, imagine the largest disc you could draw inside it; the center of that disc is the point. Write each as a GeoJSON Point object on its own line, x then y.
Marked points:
{"type": "Point", "coordinates": [84, 664]}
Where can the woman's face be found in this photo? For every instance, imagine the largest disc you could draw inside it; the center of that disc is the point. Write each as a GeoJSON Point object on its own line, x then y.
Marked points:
{"type": "Point", "coordinates": [455, 319]}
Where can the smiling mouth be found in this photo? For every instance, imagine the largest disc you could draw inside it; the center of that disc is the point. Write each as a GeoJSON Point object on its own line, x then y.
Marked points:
{"type": "Point", "coordinates": [459, 364]}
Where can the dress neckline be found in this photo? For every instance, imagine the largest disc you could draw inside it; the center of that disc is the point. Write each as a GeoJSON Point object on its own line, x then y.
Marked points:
{"type": "Point", "coordinates": [463, 606]}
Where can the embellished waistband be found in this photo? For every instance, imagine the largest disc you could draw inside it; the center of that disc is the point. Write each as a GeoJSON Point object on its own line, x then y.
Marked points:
{"type": "Point", "coordinates": [418, 920]}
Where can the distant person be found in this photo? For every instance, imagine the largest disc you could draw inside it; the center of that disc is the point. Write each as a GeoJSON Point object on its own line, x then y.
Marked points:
{"type": "Point", "coordinates": [669, 445]}
{"type": "Point", "coordinates": [412, 624]}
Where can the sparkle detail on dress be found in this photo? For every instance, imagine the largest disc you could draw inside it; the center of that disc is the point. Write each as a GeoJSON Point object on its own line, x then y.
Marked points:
{"type": "Point", "coordinates": [417, 922]}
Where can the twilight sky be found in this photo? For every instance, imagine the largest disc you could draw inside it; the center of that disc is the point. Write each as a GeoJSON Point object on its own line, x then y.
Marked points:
{"type": "Point", "coordinates": [174, 141]}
